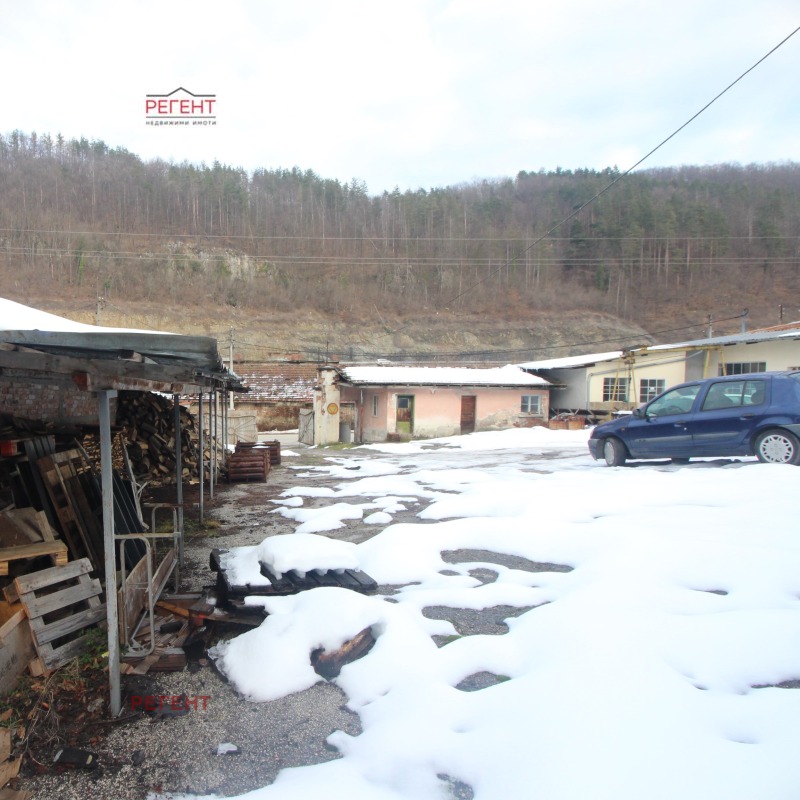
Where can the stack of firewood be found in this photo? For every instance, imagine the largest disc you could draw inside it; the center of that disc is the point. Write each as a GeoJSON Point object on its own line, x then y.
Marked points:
{"type": "Point", "coordinates": [148, 425]}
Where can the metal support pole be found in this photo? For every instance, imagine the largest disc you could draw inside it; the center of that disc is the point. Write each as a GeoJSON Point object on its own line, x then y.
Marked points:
{"type": "Point", "coordinates": [202, 452]}
{"type": "Point", "coordinates": [107, 486]}
{"type": "Point", "coordinates": [176, 400]}
{"type": "Point", "coordinates": [225, 430]}
{"type": "Point", "coordinates": [212, 440]}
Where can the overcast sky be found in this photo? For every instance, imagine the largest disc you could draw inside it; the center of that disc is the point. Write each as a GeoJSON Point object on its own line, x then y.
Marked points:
{"type": "Point", "coordinates": [418, 93]}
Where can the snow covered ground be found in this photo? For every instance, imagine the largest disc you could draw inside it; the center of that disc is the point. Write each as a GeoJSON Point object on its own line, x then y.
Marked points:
{"type": "Point", "coordinates": [663, 664]}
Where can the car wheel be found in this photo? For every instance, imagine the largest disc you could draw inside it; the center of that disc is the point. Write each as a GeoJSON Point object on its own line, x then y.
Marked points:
{"type": "Point", "coordinates": [614, 452]}
{"type": "Point", "coordinates": [778, 447]}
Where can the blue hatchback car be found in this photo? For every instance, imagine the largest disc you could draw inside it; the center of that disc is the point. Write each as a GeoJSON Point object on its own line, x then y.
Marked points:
{"type": "Point", "coordinates": [735, 415]}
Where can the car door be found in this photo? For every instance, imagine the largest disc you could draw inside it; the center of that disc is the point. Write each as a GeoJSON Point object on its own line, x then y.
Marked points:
{"type": "Point", "coordinates": [661, 428]}
{"type": "Point", "coordinates": [727, 413]}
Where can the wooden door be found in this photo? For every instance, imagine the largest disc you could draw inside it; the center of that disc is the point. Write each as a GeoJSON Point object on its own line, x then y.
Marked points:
{"type": "Point", "coordinates": [468, 403]}
{"type": "Point", "coordinates": [405, 414]}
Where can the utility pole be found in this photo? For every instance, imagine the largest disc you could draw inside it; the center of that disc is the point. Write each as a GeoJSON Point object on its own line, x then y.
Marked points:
{"type": "Point", "coordinates": [98, 309]}
{"type": "Point", "coordinates": [230, 366]}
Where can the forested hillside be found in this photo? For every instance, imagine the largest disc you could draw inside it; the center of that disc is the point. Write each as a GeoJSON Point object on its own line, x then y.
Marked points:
{"type": "Point", "coordinates": [80, 219]}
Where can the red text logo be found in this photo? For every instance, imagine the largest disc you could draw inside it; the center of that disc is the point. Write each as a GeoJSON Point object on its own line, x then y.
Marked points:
{"type": "Point", "coordinates": [180, 107]}
{"type": "Point", "coordinates": [169, 702]}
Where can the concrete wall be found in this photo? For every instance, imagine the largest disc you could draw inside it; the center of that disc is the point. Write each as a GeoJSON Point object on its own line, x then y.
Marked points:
{"type": "Point", "coordinates": [584, 385]}
{"type": "Point", "coordinates": [778, 355]}
{"type": "Point", "coordinates": [437, 410]}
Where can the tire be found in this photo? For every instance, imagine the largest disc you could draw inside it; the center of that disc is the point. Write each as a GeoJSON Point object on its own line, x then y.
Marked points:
{"type": "Point", "coordinates": [614, 452]}
{"type": "Point", "coordinates": [777, 446]}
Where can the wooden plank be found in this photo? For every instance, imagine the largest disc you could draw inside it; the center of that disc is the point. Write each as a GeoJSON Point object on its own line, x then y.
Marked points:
{"type": "Point", "coordinates": [329, 665]}
{"type": "Point", "coordinates": [9, 610]}
{"type": "Point", "coordinates": [38, 607]}
{"type": "Point", "coordinates": [47, 577]}
{"type": "Point", "coordinates": [9, 770]}
{"type": "Point", "coordinates": [77, 537]}
{"type": "Point", "coordinates": [53, 658]}
{"type": "Point", "coordinates": [56, 549]}
{"type": "Point", "coordinates": [44, 527]}
{"type": "Point", "coordinates": [15, 794]}
{"type": "Point", "coordinates": [45, 633]}
{"type": "Point", "coordinates": [132, 600]}
{"type": "Point", "coordinates": [19, 526]}
{"type": "Point", "coordinates": [163, 572]}
{"type": "Point", "coordinates": [10, 593]}
{"type": "Point", "coordinates": [16, 650]}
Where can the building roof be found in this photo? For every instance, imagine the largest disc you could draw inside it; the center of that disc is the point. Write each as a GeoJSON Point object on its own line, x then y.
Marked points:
{"type": "Point", "coordinates": [787, 331]}
{"type": "Point", "coordinates": [281, 382]}
{"type": "Point", "coordinates": [766, 335]}
{"type": "Point", "coordinates": [570, 362]}
{"type": "Point", "coordinates": [35, 345]}
{"type": "Point", "coordinates": [508, 376]}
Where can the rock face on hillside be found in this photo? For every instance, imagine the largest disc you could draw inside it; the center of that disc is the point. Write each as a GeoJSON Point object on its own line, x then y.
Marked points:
{"type": "Point", "coordinates": [441, 336]}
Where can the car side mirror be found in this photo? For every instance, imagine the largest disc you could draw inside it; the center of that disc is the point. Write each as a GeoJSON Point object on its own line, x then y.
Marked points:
{"type": "Point", "coordinates": [639, 413]}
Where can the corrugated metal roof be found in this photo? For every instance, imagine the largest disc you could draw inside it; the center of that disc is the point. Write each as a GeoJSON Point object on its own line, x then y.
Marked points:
{"type": "Point", "coordinates": [38, 343]}
{"type": "Point", "coordinates": [735, 338]}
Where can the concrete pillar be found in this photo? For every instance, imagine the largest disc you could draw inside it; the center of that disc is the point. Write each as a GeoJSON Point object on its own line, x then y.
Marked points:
{"type": "Point", "coordinates": [327, 402]}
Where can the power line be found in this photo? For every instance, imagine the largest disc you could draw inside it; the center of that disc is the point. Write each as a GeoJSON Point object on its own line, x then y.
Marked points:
{"type": "Point", "coordinates": [622, 175]}
{"type": "Point", "coordinates": [394, 239]}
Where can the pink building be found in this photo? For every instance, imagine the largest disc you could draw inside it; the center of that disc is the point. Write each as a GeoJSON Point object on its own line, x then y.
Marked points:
{"type": "Point", "coordinates": [428, 402]}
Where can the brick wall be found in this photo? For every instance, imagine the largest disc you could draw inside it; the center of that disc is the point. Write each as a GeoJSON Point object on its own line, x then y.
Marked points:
{"type": "Point", "coordinates": [57, 404]}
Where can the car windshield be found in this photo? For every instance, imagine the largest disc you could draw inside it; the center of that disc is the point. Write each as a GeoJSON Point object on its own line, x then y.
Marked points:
{"type": "Point", "coordinates": [676, 401]}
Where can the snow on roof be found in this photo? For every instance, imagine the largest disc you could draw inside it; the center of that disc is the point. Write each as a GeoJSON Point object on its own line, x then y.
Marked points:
{"type": "Point", "coordinates": [441, 376]}
{"type": "Point", "coordinates": [279, 382]}
{"type": "Point", "coordinates": [17, 317]}
{"type": "Point", "coordinates": [571, 361]}
{"type": "Point", "coordinates": [734, 338]}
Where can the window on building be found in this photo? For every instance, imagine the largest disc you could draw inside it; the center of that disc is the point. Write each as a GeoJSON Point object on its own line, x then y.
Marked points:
{"type": "Point", "coordinates": [615, 389]}
{"type": "Point", "coordinates": [742, 367]}
{"type": "Point", "coordinates": [650, 388]}
{"type": "Point", "coordinates": [531, 404]}
{"type": "Point", "coordinates": [374, 405]}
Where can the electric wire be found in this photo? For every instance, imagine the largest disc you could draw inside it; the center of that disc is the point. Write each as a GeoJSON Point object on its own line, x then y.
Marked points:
{"type": "Point", "coordinates": [622, 175]}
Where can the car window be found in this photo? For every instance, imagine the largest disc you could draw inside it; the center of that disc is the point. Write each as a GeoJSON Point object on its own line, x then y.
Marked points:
{"type": "Point", "coordinates": [724, 395]}
{"type": "Point", "coordinates": [755, 393]}
{"type": "Point", "coordinates": [676, 401]}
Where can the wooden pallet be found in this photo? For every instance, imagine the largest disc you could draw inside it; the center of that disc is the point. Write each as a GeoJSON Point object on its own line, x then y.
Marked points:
{"type": "Point", "coordinates": [290, 583]}
{"type": "Point", "coordinates": [25, 533]}
{"type": "Point", "coordinates": [71, 485]}
{"type": "Point", "coordinates": [60, 603]}
{"type": "Point", "coordinates": [56, 550]}
{"type": "Point", "coordinates": [274, 448]}
{"type": "Point", "coordinates": [249, 464]}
